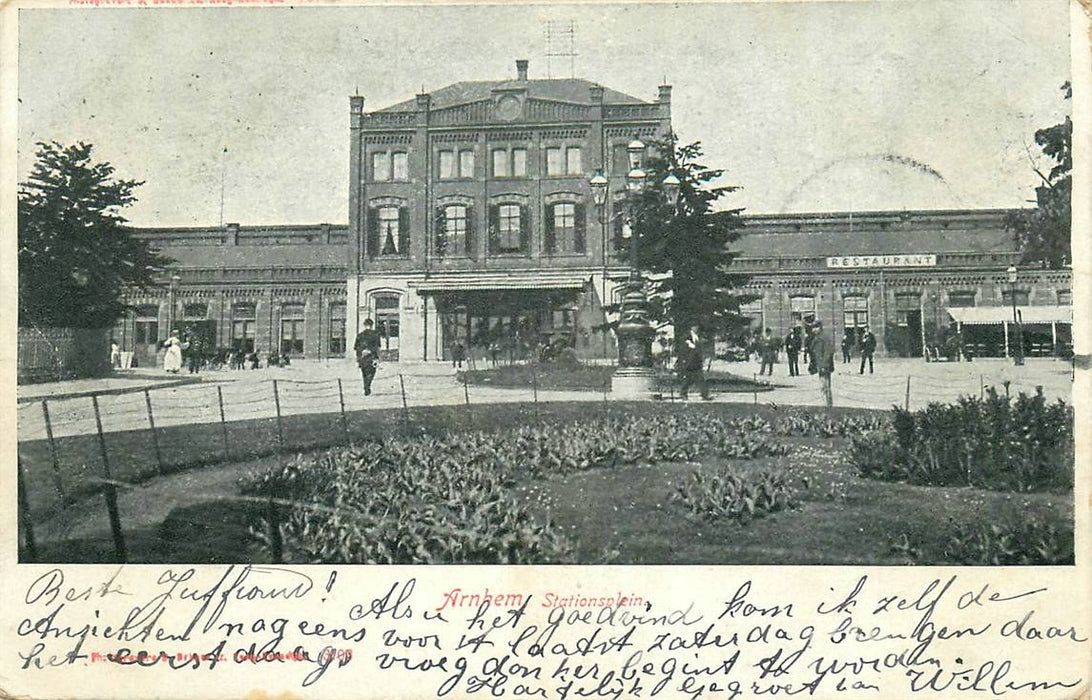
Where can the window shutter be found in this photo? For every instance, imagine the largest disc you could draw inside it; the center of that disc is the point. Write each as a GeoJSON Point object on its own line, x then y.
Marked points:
{"type": "Point", "coordinates": [524, 229]}
{"type": "Point", "coordinates": [440, 231]}
{"type": "Point", "coordinates": [403, 231]}
{"type": "Point", "coordinates": [494, 227]}
{"type": "Point", "coordinates": [550, 235]}
{"type": "Point", "coordinates": [371, 242]}
{"type": "Point", "coordinates": [580, 228]}
{"type": "Point", "coordinates": [469, 230]}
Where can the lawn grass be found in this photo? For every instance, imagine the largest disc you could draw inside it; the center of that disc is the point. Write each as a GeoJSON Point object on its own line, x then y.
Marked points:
{"type": "Point", "coordinates": [561, 377]}
{"type": "Point", "coordinates": [621, 515]}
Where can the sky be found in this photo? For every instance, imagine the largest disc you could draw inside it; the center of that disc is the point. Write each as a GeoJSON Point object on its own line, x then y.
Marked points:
{"type": "Point", "coordinates": [919, 104]}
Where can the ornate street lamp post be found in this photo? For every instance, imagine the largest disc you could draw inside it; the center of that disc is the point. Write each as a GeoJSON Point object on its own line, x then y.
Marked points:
{"type": "Point", "coordinates": [599, 186]}
{"type": "Point", "coordinates": [634, 376]}
{"type": "Point", "coordinates": [175, 278]}
{"type": "Point", "coordinates": [1018, 355]}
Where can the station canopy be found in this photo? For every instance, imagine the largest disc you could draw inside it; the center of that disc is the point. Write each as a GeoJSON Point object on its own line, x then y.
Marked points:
{"type": "Point", "coordinates": [996, 315]}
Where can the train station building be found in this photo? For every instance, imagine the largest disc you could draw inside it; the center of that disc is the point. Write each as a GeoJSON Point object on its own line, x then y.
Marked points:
{"type": "Point", "coordinates": [471, 221]}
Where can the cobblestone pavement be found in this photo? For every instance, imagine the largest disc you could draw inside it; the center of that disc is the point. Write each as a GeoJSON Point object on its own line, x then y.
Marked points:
{"type": "Point", "coordinates": [322, 386]}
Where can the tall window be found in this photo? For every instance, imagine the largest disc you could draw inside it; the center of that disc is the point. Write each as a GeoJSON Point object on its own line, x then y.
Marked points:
{"type": "Point", "coordinates": [907, 306]}
{"type": "Point", "coordinates": [381, 166]}
{"type": "Point", "coordinates": [855, 311]}
{"type": "Point", "coordinates": [573, 163]}
{"type": "Point", "coordinates": [1065, 297]}
{"type": "Point", "coordinates": [500, 163]}
{"type": "Point", "coordinates": [292, 329]}
{"type": "Point", "coordinates": [802, 308]}
{"type": "Point", "coordinates": [466, 163]}
{"type": "Point", "coordinates": [242, 326]}
{"type": "Point", "coordinates": [195, 312]}
{"type": "Point", "coordinates": [565, 228]}
{"type": "Point", "coordinates": [390, 166]}
{"type": "Point", "coordinates": [961, 299]}
{"type": "Point", "coordinates": [389, 231]}
{"type": "Point", "coordinates": [519, 162]}
{"type": "Point", "coordinates": [508, 228]}
{"type": "Point", "coordinates": [146, 325]}
{"type": "Point", "coordinates": [337, 329]}
{"type": "Point", "coordinates": [453, 239]}
{"type": "Point", "coordinates": [400, 165]}
{"type": "Point", "coordinates": [447, 165]}
{"type": "Point", "coordinates": [1021, 297]}
{"type": "Point", "coordinates": [555, 161]}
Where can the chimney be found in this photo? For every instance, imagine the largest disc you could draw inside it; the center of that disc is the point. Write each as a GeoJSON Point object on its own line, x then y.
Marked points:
{"type": "Point", "coordinates": [423, 101]}
{"type": "Point", "coordinates": [595, 92]}
{"type": "Point", "coordinates": [665, 94]}
{"type": "Point", "coordinates": [356, 104]}
{"type": "Point", "coordinates": [521, 69]}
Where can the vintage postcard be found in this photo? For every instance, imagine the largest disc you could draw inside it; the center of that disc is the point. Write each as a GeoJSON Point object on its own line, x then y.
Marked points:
{"type": "Point", "coordinates": [591, 350]}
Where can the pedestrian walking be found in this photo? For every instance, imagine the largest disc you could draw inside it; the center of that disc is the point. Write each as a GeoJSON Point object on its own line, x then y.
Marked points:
{"type": "Point", "coordinates": [115, 355]}
{"type": "Point", "coordinates": [822, 354]}
{"type": "Point", "coordinates": [767, 349]}
{"type": "Point", "coordinates": [868, 348]}
{"type": "Point", "coordinates": [847, 346]}
{"type": "Point", "coordinates": [793, 343]}
{"type": "Point", "coordinates": [366, 347]}
{"type": "Point", "coordinates": [458, 354]}
{"type": "Point", "coordinates": [494, 350]}
{"type": "Point", "coordinates": [172, 360]}
{"type": "Point", "coordinates": [693, 365]}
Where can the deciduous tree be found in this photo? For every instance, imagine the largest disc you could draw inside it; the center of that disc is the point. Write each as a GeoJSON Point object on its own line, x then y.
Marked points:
{"type": "Point", "coordinates": [76, 256]}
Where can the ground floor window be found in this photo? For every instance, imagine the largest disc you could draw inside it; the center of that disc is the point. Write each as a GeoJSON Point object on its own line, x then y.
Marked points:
{"type": "Point", "coordinates": [337, 329]}
{"type": "Point", "coordinates": [907, 308]}
{"type": "Point", "coordinates": [292, 329]}
{"type": "Point", "coordinates": [802, 308]}
{"type": "Point", "coordinates": [855, 312]}
{"type": "Point", "coordinates": [146, 325]}
{"type": "Point", "coordinates": [243, 317]}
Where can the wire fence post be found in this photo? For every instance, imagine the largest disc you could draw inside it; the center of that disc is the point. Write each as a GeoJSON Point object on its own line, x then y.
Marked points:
{"type": "Point", "coordinates": [534, 387]}
{"type": "Point", "coordinates": [276, 542]}
{"type": "Point", "coordinates": [155, 435]}
{"type": "Point", "coordinates": [754, 388]}
{"type": "Point", "coordinates": [405, 405]}
{"type": "Point", "coordinates": [344, 419]}
{"type": "Point", "coordinates": [907, 393]}
{"type": "Point", "coordinates": [280, 423]}
{"type": "Point", "coordinates": [111, 492]}
{"type": "Point", "coordinates": [606, 389]}
{"type": "Point", "coordinates": [223, 420]}
{"type": "Point", "coordinates": [57, 483]}
{"type": "Point", "coordinates": [981, 387]}
{"type": "Point", "coordinates": [466, 396]}
{"type": "Point", "coordinates": [31, 547]}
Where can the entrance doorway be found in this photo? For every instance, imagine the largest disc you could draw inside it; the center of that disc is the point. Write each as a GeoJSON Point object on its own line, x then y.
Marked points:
{"type": "Point", "coordinates": [387, 322]}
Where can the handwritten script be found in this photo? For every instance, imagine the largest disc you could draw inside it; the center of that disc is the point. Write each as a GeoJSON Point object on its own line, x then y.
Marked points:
{"type": "Point", "coordinates": [942, 636]}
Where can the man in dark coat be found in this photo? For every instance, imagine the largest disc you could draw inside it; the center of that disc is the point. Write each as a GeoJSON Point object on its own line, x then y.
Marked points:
{"type": "Point", "coordinates": [767, 350]}
{"type": "Point", "coordinates": [692, 365]}
{"type": "Point", "coordinates": [794, 341]}
{"type": "Point", "coordinates": [868, 347]}
{"type": "Point", "coordinates": [367, 354]}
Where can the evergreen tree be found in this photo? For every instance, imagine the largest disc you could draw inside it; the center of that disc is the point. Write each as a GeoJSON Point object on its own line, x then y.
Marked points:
{"type": "Point", "coordinates": [684, 245]}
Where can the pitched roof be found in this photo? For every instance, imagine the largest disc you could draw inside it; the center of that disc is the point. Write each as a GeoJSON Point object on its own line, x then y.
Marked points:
{"type": "Point", "coordinates": [574, 90]}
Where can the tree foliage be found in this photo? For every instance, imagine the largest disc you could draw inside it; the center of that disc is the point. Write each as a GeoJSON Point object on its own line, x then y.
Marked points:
{"type": "Point", "coordinates": [76, 256]}
{"type": "Point", "coordinates": [685, 245]}
{"type": "Point", "coordinates": [1043, 234]}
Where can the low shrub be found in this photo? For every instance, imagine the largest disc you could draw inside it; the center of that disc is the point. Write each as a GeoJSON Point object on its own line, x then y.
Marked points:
{"type": "Point", "coordinates": [1016, 542]}
{"type": "Point", "coordinates": [1024, 444]}
{"type": "Point", "coordinates": [726, 494]}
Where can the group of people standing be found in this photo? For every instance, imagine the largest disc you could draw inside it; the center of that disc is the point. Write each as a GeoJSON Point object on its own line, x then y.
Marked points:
{"type": "Point", "coordinates": [810, 340]}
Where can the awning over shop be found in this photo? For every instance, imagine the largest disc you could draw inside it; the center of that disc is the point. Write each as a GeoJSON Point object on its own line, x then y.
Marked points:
{"type": "Point", "coordinates": [996, 315]}
{"type": "Point", "coordinates": [486, 283]}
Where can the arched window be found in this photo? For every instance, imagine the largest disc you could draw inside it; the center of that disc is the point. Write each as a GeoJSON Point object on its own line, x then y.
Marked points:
{"type": "Point", "coordinates": [566, 227]}
{"type": "Point", "coordinates": [508, 228]}
{"type": "Point", "coordinates": [243, 315]}
{"type": "Point", "coordinates": [387, 228]}
{"type": "Point", "coordinates": [292, 329]}
{"type": "Point", "coordinates": [453, 230]}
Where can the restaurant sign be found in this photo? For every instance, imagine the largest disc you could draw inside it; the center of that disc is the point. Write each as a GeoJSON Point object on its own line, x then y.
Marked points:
{"type": "Point", "coordinates": [852, 261]}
